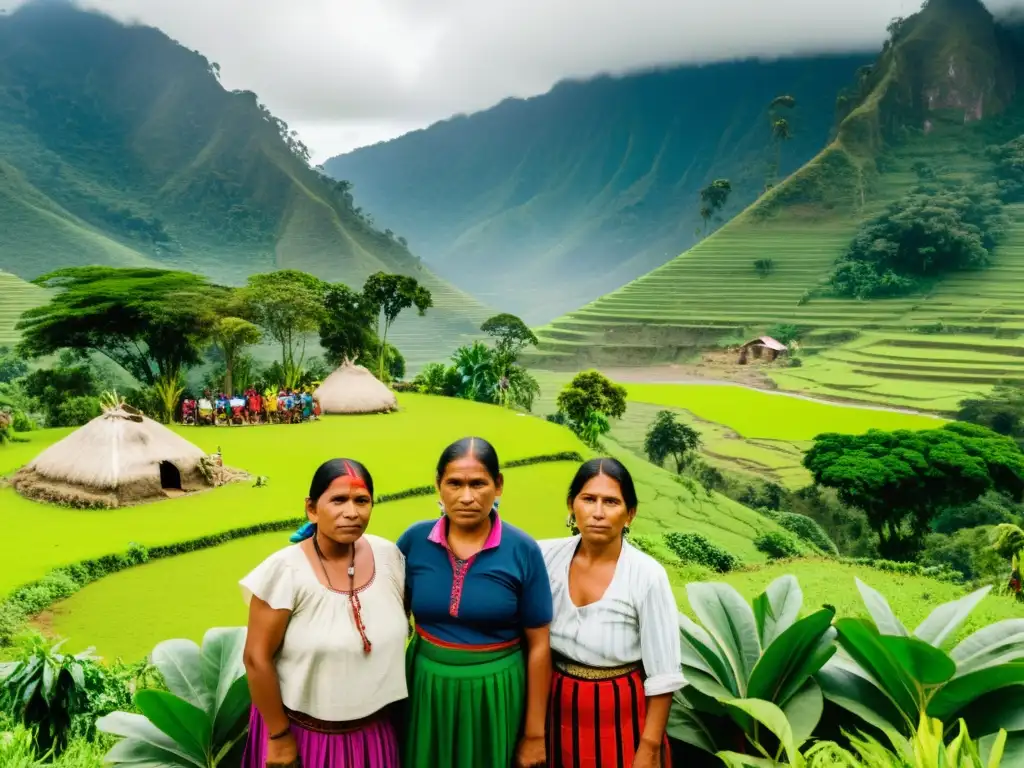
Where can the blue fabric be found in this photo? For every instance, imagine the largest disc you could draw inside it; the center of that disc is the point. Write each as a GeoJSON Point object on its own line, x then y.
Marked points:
{"type": "Point", "coordinates": [304, 532]}
{"type": "Point", "coordinates": [505, 590]}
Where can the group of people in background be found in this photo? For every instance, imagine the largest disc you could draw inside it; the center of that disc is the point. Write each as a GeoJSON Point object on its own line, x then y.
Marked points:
{"type": "Point", "coordinates": [561, 653]}
{"type": "Point", "coordinates": [283, 406]}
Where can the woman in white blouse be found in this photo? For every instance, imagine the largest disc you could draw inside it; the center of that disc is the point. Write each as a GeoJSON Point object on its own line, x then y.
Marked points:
{"type": "Point", "coordinates": [325, 649]}
{"type": "Point", "coordinates": [614, 637]}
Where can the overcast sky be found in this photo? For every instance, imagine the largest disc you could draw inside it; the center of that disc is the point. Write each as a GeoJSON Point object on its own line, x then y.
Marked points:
{"type": "Point", "coordinates": [347, 73]}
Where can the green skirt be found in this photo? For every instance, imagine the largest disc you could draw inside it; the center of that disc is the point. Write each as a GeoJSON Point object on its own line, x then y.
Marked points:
{"type": "Point", "coordinates": [465, 707]}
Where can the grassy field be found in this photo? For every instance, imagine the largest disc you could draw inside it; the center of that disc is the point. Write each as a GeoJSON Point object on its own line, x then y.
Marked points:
{"type": "Point", "coordinates": [16, 296]}
{"type": "Point", "coordinates": [713, 294]}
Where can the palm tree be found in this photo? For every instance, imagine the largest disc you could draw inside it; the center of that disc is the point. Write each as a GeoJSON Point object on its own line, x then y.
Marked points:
{"type": "Point", "coordinates": [780, 130]}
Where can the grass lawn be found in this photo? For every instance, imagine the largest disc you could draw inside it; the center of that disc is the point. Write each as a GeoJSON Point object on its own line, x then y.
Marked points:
{"type": "Point", "coordinates": [911, 598]}
{"type": "Point", "coordinates": [400, 449]}
{"type": "Point", "coordinates": [757, 414]}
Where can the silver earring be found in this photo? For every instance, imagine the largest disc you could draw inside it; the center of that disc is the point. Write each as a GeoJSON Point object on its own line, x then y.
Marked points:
{"type": "Point", "coordinates": [440, 506]}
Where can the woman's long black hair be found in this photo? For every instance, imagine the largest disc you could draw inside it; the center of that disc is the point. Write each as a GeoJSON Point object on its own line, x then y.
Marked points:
{"type": "Point", "coordinates": [608, 467]}
{"type": "Point", "coordinates": [478, 448]}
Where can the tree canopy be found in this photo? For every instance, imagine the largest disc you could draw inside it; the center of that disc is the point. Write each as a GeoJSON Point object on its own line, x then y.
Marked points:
{"type": "Point", "coordinates": [231, 335]}
{"type": "Point", "coordinates": [1002, 411]}
{"type": "Point", "coordinates": [667, 437]}
{"type": "Point", "coordinates": [288, 305]}
{"type": "Point", "coordinates": [511, 335]}
{"type": "Point", "coordinates": [390, 295]}
{"type": "Point", "coordinates": [347, 326]}
{"type": "Point", "coordinates": [901, 479]}
{"type": "Point", "coordinates": [152, 322]}
{"type": "Point", "coordinates": [713, 198]}
{"type": "Point", "coordinates": [932, 231]}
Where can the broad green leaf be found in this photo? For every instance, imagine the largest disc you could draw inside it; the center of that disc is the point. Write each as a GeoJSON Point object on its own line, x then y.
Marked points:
{"type": "Point", "coordinates": [789, 661]}
{"type": "Point", "coordinates": [701, 702]}
{"type": "Point", "coordinates": [996, 750]}
{"type": "Point", "coordinates": [730, 620]}
{"type": "Point", "coordinates": [184, 722]}
{"type": "Point", "coordinates": [944, 621]}
{"type": "Point", "coordinates": [1013, 750]}
{"type": "Point", "coordinates": [777, 608]}
{"type": "Point", "coordinates": [803, 710]}
{"type": "Point", "coordinates": [180, 663]}
{"type": "Point", "coordinates": [222, 660]}
{"type": "Point", "coordinates": [694, 639]}
{"type": "Point", "coordinates": [1002, 708]}
{"type": "Point", "coordinates": [77, 673]}
{"type": "Point", "coordinates": [772, 718]}
{"type": "Point", "coordinates": [707, 684]}
{"type": "Point", "coordinates": [863, 642]}
{"type": "Point", "coordinates": [49, 678]}
{"type": "Point", "coordinates": [885, 620]}
{"type": "Point", "coordinates": [131, 726]}
{"type": "Point", "coordinates": [686, 725]}
{"type": "Point", "coordinates": [958, 693]}
{"type": "Point", "coordinates": [232, 711]}
{"type": "Point", "coordinates": [844, 685]}
{"type": "Point", "coordinates": [995, 644]}
{"type": "Point", "coordinates": [925, 664]}
{"type": "Point", "coordinates": [140, 754]}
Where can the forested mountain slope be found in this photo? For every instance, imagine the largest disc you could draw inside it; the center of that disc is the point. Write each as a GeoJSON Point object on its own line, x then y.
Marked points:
{"type": "Point", "coordinates": [119, 146]}
{"type": "Point", "coordinates": [545, 203]}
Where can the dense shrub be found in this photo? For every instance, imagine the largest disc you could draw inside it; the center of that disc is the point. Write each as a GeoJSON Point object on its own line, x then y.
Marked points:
{"type": "Point", "coordinates": [991, 509]}
{"type": "Point", "coordinates": [778, 545]}
{"type": "Point", "coordinates": [808, 530]}
{"type": "Point", "coordinates": [934, 230]}
{"type": "Point", "coordinates": [968, 551]}
{"type": "Point", "coordinates": [76, 411]}
{"type": "Point", "coordinates": [694, 548]}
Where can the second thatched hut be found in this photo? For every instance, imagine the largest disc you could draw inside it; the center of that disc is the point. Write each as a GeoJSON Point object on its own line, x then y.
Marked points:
{"type": "Point", "coordinates": [119, 458]}
{"type": "Point", "coordinates": [353, 389]}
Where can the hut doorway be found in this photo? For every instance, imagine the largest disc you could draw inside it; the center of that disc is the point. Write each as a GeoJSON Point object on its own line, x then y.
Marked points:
{"type": "Point", "coordinates": [170, 477]}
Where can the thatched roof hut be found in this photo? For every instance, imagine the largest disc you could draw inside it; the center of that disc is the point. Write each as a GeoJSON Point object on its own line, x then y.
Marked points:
{"type": "Point", "coordinates": [119, 458]}
{"type": "Point", "coordinates": [353, 389]}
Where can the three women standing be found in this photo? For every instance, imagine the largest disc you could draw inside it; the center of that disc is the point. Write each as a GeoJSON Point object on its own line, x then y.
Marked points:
{"type": "Point", "coordinates": [479, 592]}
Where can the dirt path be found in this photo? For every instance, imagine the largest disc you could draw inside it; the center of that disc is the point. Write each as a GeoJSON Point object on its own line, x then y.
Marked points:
{"type": "Point", "coordinates": [751, 379]}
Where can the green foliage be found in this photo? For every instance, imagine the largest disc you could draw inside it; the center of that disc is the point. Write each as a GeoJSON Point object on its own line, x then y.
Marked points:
{"type": "Point", "coordinates": [1002, 411]}
{"type": "Point", "coordinates": [785, 333]}
{"type": "Point", "coordinates": [696, 549]}
{"type": "Point", "coordinates": [288, 305]}
{"type": "Point", "coordinates": [591, 391]}
{"type": "Point", "coordinates": [76, 411]}
{"type": "Point", "coordinates": [45, 690]}
{"type": "Point", "coordinates": [389, 295]}
{"type": "Point", "coordinates": [12, 366]}
{"type": "Point", "coordinates": [742, 658]}
{"type": "Point", "coordinates": [201, 720]}
{"type": "Point", "coordinates": [806, 529]}
{"type": "Point", "coordinates": [713, 198]}
{"type": "Point", "coordinates": [764, 267]}
{"type": "Point", "coordinates": [667, 437]}
{"type": "Point", "coordinates": [1009, 167]}
{"type": "Point", "coordinates": [926, 234]}
{"type": "Point", "coordinates": [901, 479]}
{"type": "Point", "coordinates": [232, 335]}
{"type": "Point", "coordinates": [778, 545]}
{"type": "Point", "coordinates": [988, 509]}
{"type": "Point", "coordinates": [152, 322]}
{"type": "Point", "coordinates": [890, 677]}
{"type": "Point", "coordinates": [63, 393]}
{"type": "Point", "coordinates": [511, 335]}
{"type": "Point", "coordinates": [481, 374]}
{"type": "Point", "coordinates": [438, 379]}
{"type": "Point", "coordinates": [347, 326]}
{"type": "Point", "coordinates": [967, 551]}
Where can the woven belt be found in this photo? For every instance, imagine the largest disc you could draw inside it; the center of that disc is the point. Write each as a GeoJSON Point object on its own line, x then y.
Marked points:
{"type": "Point", "coordinates": [311, 723]}
{"type": "Point", "coordinates": [584, 672]}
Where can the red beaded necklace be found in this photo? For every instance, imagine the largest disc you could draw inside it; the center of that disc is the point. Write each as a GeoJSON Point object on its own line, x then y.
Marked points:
{"type": "Point", "coordinates": [353, 597]}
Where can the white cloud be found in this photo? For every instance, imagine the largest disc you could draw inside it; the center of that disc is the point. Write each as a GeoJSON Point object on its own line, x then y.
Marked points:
{"type": "Point", "coordinates": [350, 72]}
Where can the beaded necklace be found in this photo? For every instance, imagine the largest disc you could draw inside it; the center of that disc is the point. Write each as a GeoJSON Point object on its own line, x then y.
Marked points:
{"type": "Point", "coordinates": [353, 597]}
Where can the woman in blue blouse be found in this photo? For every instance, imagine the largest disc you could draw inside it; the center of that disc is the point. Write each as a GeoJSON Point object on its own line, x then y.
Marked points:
{"type": "Point", "coordinates": [479, 665]}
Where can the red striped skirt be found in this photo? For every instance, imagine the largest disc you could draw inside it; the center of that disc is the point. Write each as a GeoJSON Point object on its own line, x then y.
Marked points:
{"type": "Point", "coordinates": [597, 723]}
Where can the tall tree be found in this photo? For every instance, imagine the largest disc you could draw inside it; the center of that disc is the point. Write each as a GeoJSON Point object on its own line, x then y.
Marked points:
{"type": "Point", "coordinates": [713, 198]}
{"type": "Point", "coordinates": [902, 479]}
{"type": "Point", "coordinates": [231, 335]}
{"type": "Point", "coordinates": [667, 437]}
{"type": "Point", "coordinates": [154, 323]}
{"type": "Point", "coordinates": [781, 131]}
{"type": "Point", "coordinates": [511, 335]}
{"type": "Point", "coordinates": [288, 305]}
{"type": "Point", "coordinates": [588, 402]}
{"type": "Point", "coordinates": [347, 326]}
{"type": "Point", "coordinates": [390, 294]}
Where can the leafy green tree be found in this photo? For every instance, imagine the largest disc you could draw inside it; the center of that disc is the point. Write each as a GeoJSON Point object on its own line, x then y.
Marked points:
{"type": "Point", "coordinates": [232, 335]}
{"type": "Point", "coordinates": [1002, 411]}
{"type": "Point", "coordinates": [12, 366]}
{"type": "Point", "coordinates": [588, 403]}
{"type": "Point", "coordinates": [713, 198]}
{"type": "Point", "coordinates": [390, 294]}
{"type": "Point", "coordinates": [511, 335]}
{"type": "Point", "coordinates": [781, 131]}
{"type": "Point", "coordinates": [347, 325]}
{"type": "Point", "coordinates": [288, 305]}
{"type": "Point", "coordinates": [667, 437]}
{"type": "Point", "coordinates": [154, 323]}
{"type": "Point", "coordinates": [901, 479]}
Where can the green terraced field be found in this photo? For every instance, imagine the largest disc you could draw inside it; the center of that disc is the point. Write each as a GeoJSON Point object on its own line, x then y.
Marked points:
{"type": "Point", "coordinates": [713, 295]}
{"type": "Point", "coordinates": [16, 296]}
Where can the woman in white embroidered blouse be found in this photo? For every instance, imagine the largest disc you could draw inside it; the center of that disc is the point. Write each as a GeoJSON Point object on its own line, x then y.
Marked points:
{"type": "Point", "coordinates": [614, 636]}
{"type": "Point", "coordinates": [325, 649]}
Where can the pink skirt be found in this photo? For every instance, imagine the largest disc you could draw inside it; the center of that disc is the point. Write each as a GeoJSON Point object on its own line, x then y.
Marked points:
{"type": "Point", "coordinates": [374, 745]}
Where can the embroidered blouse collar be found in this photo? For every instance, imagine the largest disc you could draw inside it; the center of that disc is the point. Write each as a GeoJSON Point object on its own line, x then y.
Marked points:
{"type": "Point", "coordinates": [439, 533]}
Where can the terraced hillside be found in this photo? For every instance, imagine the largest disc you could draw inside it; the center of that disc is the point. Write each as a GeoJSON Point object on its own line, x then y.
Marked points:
{"type": "Point", "coordinates": [121, 147]}
{"type": "Point", "coordinates": [15, 297]}
{"type": "Point", "coordinates": [961, 332]}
